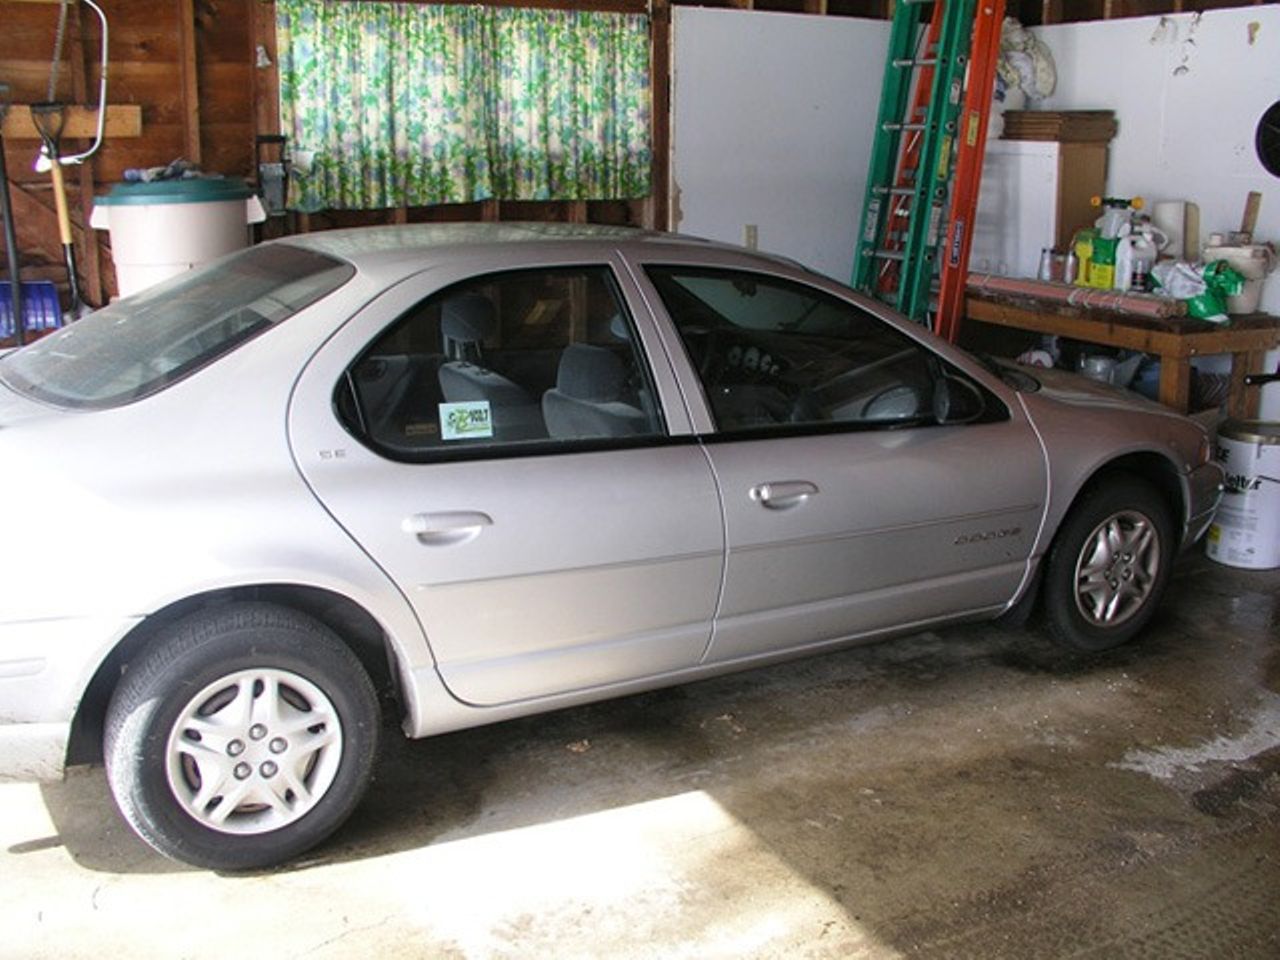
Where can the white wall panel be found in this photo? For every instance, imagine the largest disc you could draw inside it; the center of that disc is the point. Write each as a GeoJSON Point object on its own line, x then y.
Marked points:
{"type": "Point", "coordinates": [1188, 91]}
{"type": "Point", "coordinates": [772, 118]}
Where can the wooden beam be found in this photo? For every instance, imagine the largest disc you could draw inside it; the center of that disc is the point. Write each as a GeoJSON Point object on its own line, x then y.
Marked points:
{"type": "Point", "coordinates": [266, 79]}
{"type": "Point", "coordinates": [658, 215]}
{"type": "Point", "coordinates": [594, 6]}
{"type": "Point", "coordinates": [190, 80]}
{"type": "Point", "coordinates": [123, 120]}
{"type": "Point", "coordinates": [90, 260]}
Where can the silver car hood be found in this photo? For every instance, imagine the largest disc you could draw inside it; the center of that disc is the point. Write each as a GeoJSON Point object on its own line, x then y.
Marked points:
{"type": "Point", "coordinates": [1080, 391]}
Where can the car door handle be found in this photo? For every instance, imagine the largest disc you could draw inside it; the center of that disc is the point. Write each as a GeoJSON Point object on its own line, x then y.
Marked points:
{"type": "Point", "coordinates": [783, 494]}
{"type": "Point", "coordinates": [443, 529]}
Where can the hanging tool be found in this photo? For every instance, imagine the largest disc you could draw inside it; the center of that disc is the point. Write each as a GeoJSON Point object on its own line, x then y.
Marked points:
{"type": "Point", "coordinates": [910, 182]}
{"type": "Point", "coordinates": [49, 118]}
{"type": "Point", "coordinates": [10, 238]}
{"type": "Point", "coordinates": [42, 162]}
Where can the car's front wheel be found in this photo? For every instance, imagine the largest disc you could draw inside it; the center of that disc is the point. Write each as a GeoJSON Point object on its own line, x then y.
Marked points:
{"type": "Point", "coordinates": [1109, 564]}
{"type": "Point", "coordinates": [241, 739]}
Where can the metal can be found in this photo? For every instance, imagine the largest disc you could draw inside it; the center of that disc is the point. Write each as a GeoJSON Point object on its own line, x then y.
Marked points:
{"type": "Point", "coordinates": [1246, 529]}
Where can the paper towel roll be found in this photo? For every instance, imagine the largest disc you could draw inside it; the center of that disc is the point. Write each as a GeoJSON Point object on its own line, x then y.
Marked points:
{"type": "Point", "coordinates": [1170, 217]}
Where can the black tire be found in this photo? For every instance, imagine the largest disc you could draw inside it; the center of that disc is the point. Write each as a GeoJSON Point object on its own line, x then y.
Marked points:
{"type": "Point", "coordinates": [1109, 564]}
{"type": "Point", "coordinates": [191, 756]}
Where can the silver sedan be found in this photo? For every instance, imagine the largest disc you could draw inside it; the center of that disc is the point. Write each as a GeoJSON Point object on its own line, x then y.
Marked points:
{"type": "Point", "coordinates": [481, 471]}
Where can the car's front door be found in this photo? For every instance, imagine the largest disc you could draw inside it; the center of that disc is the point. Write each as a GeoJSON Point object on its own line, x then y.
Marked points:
{"type": "Point", "coordinates": [497, 442]}
{"type": "Point", "coordinates": [867, 483]}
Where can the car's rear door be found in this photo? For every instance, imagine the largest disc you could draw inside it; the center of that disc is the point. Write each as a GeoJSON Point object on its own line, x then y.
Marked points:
{"type": "Point", "coordinates": [849, 508]}
{"type": "Point", "coordinates": [494, 436]}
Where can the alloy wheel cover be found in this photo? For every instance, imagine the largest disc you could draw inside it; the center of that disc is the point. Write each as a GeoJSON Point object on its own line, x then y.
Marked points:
{"type": "Point", "coordinates": [254, 751]}
{"type": "Point", "coordinates": [1117, 569]}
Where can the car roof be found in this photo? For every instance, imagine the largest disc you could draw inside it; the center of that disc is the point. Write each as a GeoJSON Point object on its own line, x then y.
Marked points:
{"type": "Point", "coordinates": [403, 247]}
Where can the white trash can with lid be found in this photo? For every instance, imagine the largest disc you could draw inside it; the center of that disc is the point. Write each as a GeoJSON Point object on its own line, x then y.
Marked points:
{"type": "Point", "coordinates": [162, 228]}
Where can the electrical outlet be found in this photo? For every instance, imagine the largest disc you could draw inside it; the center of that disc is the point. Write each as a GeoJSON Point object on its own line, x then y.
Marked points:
{"type": "Point", "coordinates": [751, 236]}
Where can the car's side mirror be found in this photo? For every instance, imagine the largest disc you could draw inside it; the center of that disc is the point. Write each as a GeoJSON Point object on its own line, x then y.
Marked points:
{"type": "Point", "coordinates": [956, 400]}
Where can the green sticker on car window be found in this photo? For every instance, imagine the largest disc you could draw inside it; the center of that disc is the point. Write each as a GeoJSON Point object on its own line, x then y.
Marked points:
{"type": "Point", "coordinates": [465, 421]}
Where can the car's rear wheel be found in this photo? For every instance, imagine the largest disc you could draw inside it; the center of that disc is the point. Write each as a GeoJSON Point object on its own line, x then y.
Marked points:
{"type": "Point", "coordinates": [241, 739]}
{"type": "Point", "coordinates": [1109, 564]}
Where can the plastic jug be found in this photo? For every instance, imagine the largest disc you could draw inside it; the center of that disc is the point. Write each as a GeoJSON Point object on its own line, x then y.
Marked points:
{"type": "Point", "coordinates": [1123, 278]}
{"type": "Point", "coordinates": [1102, 263]}
{"type": "Point", "coordinates": [1147, 244]}
{"type": "Point", "coordinates": [1253, 262]}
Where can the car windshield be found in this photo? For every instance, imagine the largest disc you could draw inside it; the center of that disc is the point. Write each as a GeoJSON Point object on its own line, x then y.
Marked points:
{"type": "Point", "coordinates": [141, 344]}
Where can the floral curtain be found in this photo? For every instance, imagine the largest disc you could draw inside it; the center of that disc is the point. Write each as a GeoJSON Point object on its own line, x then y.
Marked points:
{"type": "Point", "coordinates": [400, 104]}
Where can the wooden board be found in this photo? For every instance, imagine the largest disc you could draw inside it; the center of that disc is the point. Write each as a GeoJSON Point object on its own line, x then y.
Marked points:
{"type": "Point", "coordinates": [1062, 126]}
{"type": "Point", "coordinates": [123, 120]}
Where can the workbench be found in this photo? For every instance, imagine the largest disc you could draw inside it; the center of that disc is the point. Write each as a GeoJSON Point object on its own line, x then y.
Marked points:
{"type": "Point", "coordinates": [1175, 341]}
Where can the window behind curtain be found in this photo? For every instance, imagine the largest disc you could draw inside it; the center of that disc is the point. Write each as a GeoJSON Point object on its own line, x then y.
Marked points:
{"type": "Point", "coordinates": [399, 104]}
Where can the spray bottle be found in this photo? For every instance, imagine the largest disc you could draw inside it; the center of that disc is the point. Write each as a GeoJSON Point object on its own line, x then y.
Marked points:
{"type": "Point", "coordinates": [1082, 247]}
{"type": "Point", "coordinates": [1116, 217]}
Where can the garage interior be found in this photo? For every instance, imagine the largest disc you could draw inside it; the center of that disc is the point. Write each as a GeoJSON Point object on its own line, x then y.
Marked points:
{"type": "Point", "coordinates": [973, 791]}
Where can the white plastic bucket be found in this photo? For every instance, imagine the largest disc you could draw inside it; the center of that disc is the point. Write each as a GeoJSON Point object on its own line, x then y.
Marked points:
{"type": "Point", "coordinates": [163, 228]}
{"type": "Point", "coordinates": [1253, 262]}
{"type": "Point", "coordinates": [1246, 529]}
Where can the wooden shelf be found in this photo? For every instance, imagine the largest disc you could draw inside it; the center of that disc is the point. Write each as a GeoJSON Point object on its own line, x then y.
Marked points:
{"type": "Point", "coordinates": [1175, 341]}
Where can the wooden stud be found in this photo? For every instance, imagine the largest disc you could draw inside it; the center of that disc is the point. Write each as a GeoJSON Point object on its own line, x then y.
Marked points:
{"type": "Point", "coordinates": [1051, 11]}
{"type": "Point", "coordinates": [658, 213]}
{"type": "Point", "coordinates": [266, 80]}
{"type": "Point", "coordinates": [190, 80]}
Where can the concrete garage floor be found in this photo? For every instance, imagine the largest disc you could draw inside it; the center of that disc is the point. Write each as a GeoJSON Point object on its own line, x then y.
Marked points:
{"type": "Point", "coordinates": [965, 793]}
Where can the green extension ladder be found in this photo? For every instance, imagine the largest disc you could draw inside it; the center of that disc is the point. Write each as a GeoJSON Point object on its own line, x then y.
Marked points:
{"type": "Point", "coordinates": [911, 174]}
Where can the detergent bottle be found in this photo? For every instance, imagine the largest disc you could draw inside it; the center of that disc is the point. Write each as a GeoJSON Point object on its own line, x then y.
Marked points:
{"type": "Point", "coordinates": [1148, 241]}
{"type": "Point", "coordinates": [1122, 277]}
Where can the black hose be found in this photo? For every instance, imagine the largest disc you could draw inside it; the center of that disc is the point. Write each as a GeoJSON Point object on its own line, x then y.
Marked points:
{"type": "Point", "coordinates": [10, 239]}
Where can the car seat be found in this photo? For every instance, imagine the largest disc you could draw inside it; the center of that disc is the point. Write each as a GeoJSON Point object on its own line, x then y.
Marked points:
{"type": "Point", "coordinates": [465, 321]}
{"type": "Point", "coordinates": [587, 398]}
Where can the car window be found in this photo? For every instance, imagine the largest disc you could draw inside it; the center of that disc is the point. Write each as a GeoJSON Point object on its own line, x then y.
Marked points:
{"type": "Point", "coordinates": [505, 363]}
{"type": "Point", "coordinates": [140, 344]}
{"type": "Point", "coordinates": [772, 352]}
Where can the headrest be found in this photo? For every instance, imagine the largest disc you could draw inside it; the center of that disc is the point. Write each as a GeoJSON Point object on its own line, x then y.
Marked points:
{"type": "Point", "coordinates": [618, 327]}
{"type": "Point", "coordinates": [467, 318]}
{"type": "Point", "coordinates": [590, 373]}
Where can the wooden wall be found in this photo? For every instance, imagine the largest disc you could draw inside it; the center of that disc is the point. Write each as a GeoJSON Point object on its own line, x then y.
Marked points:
{"type": "Point", "coordinates": [190, 65]}
{"type": "Point", "coordinates": [187, 63]}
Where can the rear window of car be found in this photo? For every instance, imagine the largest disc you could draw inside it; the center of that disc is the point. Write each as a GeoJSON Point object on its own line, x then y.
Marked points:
{"type": "Point", "coordinates": [139, 345]}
